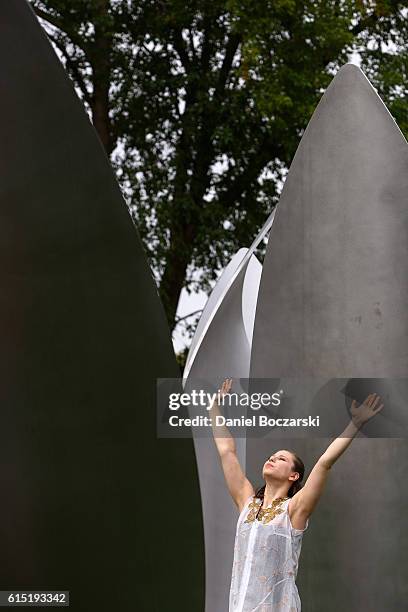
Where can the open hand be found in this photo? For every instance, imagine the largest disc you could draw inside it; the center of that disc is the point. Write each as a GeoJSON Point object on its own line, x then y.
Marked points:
{"type": "Point", "coordinates": [226, 386]}
{"type": "Point", "coordinates": [367, 410]}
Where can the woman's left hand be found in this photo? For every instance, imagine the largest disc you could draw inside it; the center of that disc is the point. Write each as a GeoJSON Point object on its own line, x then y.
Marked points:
{"type": "Point", "coordinates": [366, 411]}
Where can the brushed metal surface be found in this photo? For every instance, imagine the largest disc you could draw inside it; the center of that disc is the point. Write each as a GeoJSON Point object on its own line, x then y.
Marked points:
{"type": "Point", "coordinates": [333, 305]}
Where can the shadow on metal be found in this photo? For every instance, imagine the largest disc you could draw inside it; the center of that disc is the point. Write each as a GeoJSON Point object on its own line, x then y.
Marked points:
{"type": "Point", "coordinates": [92, 502]}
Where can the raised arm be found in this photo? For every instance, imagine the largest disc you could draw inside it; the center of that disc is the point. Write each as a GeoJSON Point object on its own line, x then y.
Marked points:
{"type": "Point", "coordinates": [238, 484]}
{"type": "Point", "coordinates": [305, 500]}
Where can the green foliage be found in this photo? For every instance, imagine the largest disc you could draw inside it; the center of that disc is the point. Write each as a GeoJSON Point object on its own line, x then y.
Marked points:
{"type": "Point", "coordinates": [202, 104]}
{"type": "Point", "coordinates": [384, 54]}
{"type": "Point", "coordinates": [181, 359]}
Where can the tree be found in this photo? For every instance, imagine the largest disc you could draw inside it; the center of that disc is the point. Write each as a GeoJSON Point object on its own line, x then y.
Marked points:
{"type": "Point", "coordinates": [201, 105]}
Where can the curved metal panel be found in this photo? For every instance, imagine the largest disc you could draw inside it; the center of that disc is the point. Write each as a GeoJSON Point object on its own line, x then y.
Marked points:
{"type": "Point", "coordinates": [212, 304]}
{"type": "Point", "coordinates": [223, 350]}
{"type": "Point", "coordinates": [230, 275]}
{"type": "Point", "coordinates": [86, 497]}
{"type": "Point", "coordinates": [332, 304]}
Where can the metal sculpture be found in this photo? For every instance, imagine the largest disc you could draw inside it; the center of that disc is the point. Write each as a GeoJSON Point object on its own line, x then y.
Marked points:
{"type": "Point", "coordinates": [88, 492]}
{"type": "Point", "coordinates": [222, 346]}
{"type": "Point", "coordinates": [332, 308]}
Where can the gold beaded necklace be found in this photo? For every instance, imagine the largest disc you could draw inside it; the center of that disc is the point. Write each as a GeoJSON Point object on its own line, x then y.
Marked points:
{"type": "Point", "coordinates": [264, 515]}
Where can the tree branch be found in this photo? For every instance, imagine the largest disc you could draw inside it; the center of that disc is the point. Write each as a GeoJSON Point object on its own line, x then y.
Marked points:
{"type": "Point", "coordinates": [181, 49]}
{"type": "Point", "coordinates": [190, 35]}
{"type": "Point", "coordinates": [60, 25]}
{"type": "Point", "coordinates": [367, 22]}
{"type": "Point", "coordinates": [51, 19]}
{"type": "Point", "coordinates": [230, 51]}
{"type": "Point", "coordinates": [266, 151]}
{"type": "Point", "coordinates": [179, 319]}
{"type": "Point", "coordinates": [73, 68]}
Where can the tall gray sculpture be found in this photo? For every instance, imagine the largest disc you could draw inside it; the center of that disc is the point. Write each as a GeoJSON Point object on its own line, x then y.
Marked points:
{"type": "Point", "coordinates": [221, 347]}
{"type": "Point", "coordinates": [236, 281]}
{"type": "Point", "coordinates": [224, 348]}
{"type": "Point", "coordinates": [333, 305]}
{"type": "Point", "coordinates": [92, 501]}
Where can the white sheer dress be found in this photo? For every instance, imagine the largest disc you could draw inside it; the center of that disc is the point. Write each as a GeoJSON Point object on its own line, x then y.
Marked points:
{"type": "Point", "coordinates": [266, 557]}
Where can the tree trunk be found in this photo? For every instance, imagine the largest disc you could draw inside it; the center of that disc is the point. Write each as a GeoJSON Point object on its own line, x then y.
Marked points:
{"type": "Point", "coordinates": [174, 274]}
{"type": "Point", "coordinates": [101, 66]}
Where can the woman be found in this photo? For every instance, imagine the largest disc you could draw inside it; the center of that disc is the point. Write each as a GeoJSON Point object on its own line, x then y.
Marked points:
{"type": "Point", "coordinates": [272, 521]}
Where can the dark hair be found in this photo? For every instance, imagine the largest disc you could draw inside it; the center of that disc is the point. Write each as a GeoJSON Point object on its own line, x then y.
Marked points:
{"type": "Point", "coordinates": [298, 466]}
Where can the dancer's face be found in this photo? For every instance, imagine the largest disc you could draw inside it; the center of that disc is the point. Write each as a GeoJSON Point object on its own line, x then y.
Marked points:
{"type": "Point", "coordinates": [279, 466]}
